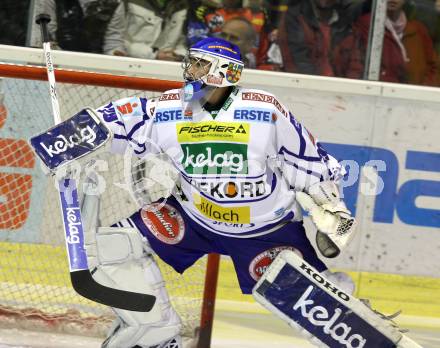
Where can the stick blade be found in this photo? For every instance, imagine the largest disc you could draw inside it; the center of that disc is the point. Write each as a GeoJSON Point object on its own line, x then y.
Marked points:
{"type": "Point", "coordinates": [86, 286]}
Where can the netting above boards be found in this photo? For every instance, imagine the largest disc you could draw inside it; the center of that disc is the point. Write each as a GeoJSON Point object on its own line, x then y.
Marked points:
{"type": "Point", "coordinates": [35, 289]}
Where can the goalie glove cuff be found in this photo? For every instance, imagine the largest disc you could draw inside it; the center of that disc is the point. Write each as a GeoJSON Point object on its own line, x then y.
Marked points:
{"type": "Point", "coordinates": [334, 222]}
{"type": "Point", "coordinates": [326, 193]}
{"type": "Point", "coordinates": [336, 208]}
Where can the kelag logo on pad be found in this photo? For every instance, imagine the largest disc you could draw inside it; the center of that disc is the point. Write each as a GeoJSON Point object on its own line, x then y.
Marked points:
{"type": "Point", "coordinates": [62, 143]}
{"type": "Point", "coordinates": [71, 139]}
{"type": "Point", "coordinates": [330, 320]}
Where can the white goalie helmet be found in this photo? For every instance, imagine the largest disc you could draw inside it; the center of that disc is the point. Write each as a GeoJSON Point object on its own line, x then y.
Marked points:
{"type": "Point", "coordinates": [211, 62]}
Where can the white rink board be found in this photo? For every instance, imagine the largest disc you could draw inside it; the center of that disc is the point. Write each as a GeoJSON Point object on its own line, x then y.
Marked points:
{"type": "Point", "coordinates": [362, 120]}
{"type": "Point", "coordinates": [397, 238]}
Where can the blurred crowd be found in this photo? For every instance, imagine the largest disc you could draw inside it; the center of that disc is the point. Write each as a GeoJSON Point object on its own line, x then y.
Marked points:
{"type": "Point", "coordinates": [318, 37]}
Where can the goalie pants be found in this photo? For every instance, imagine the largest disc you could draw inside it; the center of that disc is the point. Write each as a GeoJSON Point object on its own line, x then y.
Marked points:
{"type": "Point", "coordinates": [180, 242]}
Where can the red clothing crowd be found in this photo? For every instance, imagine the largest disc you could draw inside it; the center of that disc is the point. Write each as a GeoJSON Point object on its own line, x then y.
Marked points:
{"type": "Point", "coordinates": [317, 37]}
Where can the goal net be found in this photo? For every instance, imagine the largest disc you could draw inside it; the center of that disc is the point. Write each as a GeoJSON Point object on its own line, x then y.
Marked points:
{"type": "Point", "coordinates": [35, 290]}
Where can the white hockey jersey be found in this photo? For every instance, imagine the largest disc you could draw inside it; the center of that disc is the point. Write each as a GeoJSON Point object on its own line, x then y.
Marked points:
{"type": "Point", "coordinates": [239, 168]}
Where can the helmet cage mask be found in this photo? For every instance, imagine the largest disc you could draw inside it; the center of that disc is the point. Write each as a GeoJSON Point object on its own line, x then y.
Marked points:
{"type": "Point", "coordinates": [195, 88]}
{"type": "Point", "coordinates": [210, 64]}
{"type": "Point", "coordinates": [223, 72]}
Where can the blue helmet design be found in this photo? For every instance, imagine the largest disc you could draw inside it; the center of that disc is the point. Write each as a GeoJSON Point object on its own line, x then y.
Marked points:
{"type": "Point", "coordinates": [224, 61]}
{"type": "Point", "coordinates": [218, 47]}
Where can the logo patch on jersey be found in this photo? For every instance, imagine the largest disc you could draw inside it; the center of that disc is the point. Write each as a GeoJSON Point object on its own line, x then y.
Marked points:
{"type": "Point", "coordinates": [253, 114]}
{"type": "Point", "coordinates": [165, 223]}
{"type": "Point", "coordinates": [170, 115]}
{"type": "Point", "coordinates": [236, 215]}
{"type": "Point", "coordinates": [215, 158]}
{"type": "Point", "coordinates": [266, 99]}
{"type": "Point", "coordinates": [125, 109]}
{"type": "Point", "coordinates": [262, 261]}
{"type": "Point", "coordinates": [227, 224]}
{"type": "Point", "coordinates": [227, 104]}
{"type": "Point", "coordinates": [279, 212]}
{"type": "Point", "coordinates": [211, 131]}
{"type": "Point", "coordinates": [227, 190]}
{"type": "Point", "coordinates": [169, 96]}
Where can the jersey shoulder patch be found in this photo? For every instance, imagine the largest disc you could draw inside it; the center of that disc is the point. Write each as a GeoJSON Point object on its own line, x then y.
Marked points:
{"type": "Point", "coordinates": [131, 106]}
{"type": "Point", "coordinates": [170, 95]}
{"type": "Point", "coordinates": [256, 95]}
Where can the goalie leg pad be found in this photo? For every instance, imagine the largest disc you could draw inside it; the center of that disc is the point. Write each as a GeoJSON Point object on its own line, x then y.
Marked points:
{"type": "Point", "coordinates": [306, 300]}
{"type": "Point", "coordinates": [342, 280]}
{"type": "Point", "coordinates": [122, 260]}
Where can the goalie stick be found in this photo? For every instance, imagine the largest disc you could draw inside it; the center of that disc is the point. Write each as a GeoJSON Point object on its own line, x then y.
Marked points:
{"type": "Point", "coordinates": [81, 279]}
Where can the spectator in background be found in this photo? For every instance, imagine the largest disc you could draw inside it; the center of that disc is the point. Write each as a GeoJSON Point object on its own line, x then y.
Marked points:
{"type": "Point", "coordinates": [269, 54]}
{"type": "Point", "coordinates": [427, 12]}
{"type": "Point", "coordinates": [277, 8]}
{"type": "Point", "coordinates": [415, 44]}
{"type": "Point", "coordinates": [215, 17]}
{"type": "Point", "coordinates": [408, 54]}
{"type": "Point", "coordinates": [258, 14]}
{"type": "Point", "coordinates": [267, 51]}
{"type": "Point", "coordinates": [316, 38]}
{"type": "Point", "coordinates": [247, 27]}
{"type": "Point", "coordinates": [14, 16]}
{"type": "Point", "coordinates": [155, 29]}
{"type": "Point", "coordinates": [241, 32]}
{"type": "Point", "coordinates": [95, 26]}
{"type": "Point", "coordinates": [197, 29]}
{"type": "Point", "coordinates": [229, 9]}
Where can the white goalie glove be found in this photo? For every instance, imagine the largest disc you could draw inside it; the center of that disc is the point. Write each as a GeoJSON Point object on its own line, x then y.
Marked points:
{"type": "Point", "coordinates": [333, 220]}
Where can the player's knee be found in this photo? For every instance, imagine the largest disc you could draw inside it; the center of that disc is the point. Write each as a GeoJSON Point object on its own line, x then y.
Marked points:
{"type": "Point", "coordinates": [342, 280]}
